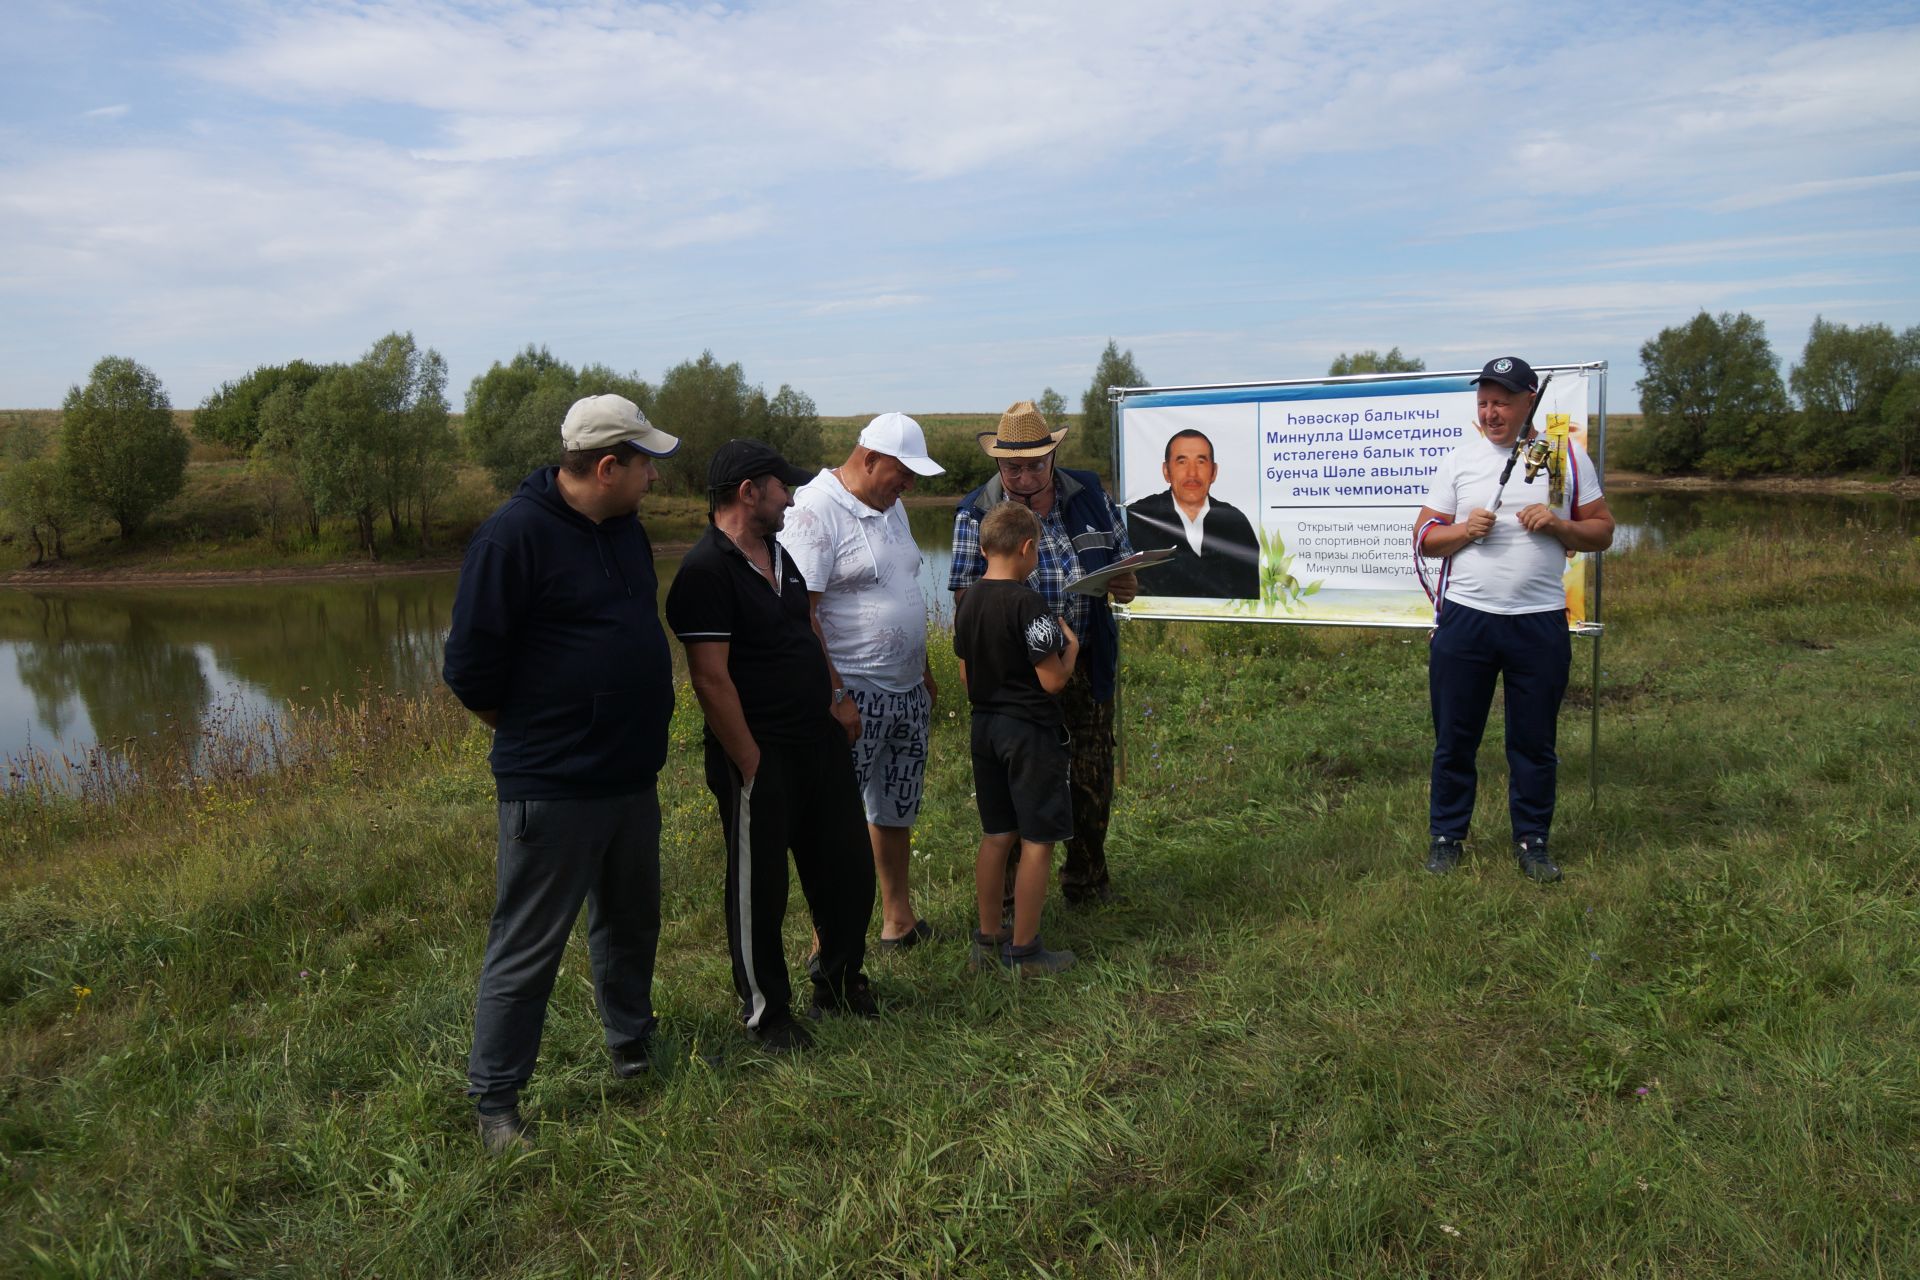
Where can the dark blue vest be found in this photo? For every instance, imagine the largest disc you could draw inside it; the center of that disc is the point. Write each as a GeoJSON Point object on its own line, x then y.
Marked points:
{"type": "Point", "coordinates": [1083, 509]}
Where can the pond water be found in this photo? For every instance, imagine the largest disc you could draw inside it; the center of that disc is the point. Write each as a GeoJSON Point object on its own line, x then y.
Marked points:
{"type": "Point", "coordinates": [124, 667]}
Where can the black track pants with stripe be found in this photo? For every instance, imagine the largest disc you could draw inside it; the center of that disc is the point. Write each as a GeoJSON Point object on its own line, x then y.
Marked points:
{"type": "Point", "coordinates": [804, 798]}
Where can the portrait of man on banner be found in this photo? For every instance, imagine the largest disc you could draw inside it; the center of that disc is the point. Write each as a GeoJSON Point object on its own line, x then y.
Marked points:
{"type": "Point", "coordinates": [1216, 554]}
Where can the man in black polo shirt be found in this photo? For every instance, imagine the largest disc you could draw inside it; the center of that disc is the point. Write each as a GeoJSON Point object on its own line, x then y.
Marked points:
{"type": "Point", "coordinates": [777, 735]}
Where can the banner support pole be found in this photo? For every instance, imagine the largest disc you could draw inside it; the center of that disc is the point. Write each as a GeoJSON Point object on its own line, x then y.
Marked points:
{"type": "Point", "coordinates": [1114, 410]}
{"type": "Point", "coordinates": [1599, 560]}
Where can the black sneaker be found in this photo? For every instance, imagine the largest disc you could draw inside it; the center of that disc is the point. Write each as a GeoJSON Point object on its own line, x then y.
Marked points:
{"type": "Point", "coordinates": [503, 1133]}
{"type": "Point", "coordinates": [1535, 865]}
{"type": "Point", "coordinates": [921, 932]}
{"type": "Point", "coordinates": [1034, 959]}
{"type": "Point", "coordinates": [779, 1033]}
{"type": "Point", "coordinates": [636, 1057]}
{"type": "Point", "coordinates": [1443, 855]}
{"type": "Point", "coordinates": [855, 999]}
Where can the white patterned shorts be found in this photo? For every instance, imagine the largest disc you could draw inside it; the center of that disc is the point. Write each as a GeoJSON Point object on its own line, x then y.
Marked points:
{"type": "Point", "coordinates": [890, 759]}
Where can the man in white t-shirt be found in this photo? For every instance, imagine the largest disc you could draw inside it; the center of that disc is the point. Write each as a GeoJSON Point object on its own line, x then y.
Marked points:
{"type": "Point", "coordinates": [1502, 613]}
{"type": "Point", "coordinates": [847, 534]}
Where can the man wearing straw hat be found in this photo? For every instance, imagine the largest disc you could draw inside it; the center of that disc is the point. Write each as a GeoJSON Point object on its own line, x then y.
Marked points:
{"type": "Point", "coordinates": [1081, 531]}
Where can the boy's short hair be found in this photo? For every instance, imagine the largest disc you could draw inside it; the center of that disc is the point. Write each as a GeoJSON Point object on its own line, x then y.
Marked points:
{"type": "Point", "coordinates": [1006, 527]}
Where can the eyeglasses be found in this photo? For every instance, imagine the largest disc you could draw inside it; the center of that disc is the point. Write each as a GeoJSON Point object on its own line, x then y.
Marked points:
{"type": "Point", "coordinates": [1038, 467]}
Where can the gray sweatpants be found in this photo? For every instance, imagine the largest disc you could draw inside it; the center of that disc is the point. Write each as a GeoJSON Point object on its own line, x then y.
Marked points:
{"type": "Point", "coordinates": [553, 854]}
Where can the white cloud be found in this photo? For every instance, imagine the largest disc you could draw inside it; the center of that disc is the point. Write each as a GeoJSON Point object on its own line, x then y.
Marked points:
{"type": "Point", "coordinates": [872, 302]}
{"type": "Point", "coordinates": [505, 163]}
{"type": "Point", "coordinates": [1813, 190]}
{"type": "Point", "coordinates": [113, 112]}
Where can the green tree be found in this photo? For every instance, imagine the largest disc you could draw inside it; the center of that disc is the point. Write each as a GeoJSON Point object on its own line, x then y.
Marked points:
{"type": "Point", "coordinates": [514, 410]}
{"type": "Point", "coordinates": [1053, 407]}
{"type": "Point", "coordinates": [1373, 362]}
{"type": "Point", "coordinates": [705, 403]}
{"type": "Point", "coordinates": [373, 436]}
{"type": "Point", "coordinates": [34, 496]}
{"type": "Point", "coordinates": [338, 449]}
{"type": "Point", "coordinates": [122, 454]}
{"type": "Point", "coordinates": [275, 461]}
{"type": "Point", "coordinates": [231, 415]}
{"type": "Point", "coordinates": [1842, 379]}
{"type": "Point", "coordinates": [413, 440]}
{"type": "Point", "coordinates": [1900, 423]}
{"type": "Point", "coordinates": [1711, 397]}
{"type": "Point", "coordinates": [1116, 369]}
{"type": "Point", "coordinates": [793, 427]}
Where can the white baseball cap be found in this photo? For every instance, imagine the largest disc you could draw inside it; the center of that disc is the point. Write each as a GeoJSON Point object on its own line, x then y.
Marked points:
{"type": "Point", "coordinates": [598, 421]}
{"type": "Point", "coordinates": [898, 436]}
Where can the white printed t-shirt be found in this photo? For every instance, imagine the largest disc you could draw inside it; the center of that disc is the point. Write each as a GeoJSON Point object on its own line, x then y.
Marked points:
{"type": "Point", "coordinates": [866, 566]}
{"type": "Point", "coordinates": [1510, 571]}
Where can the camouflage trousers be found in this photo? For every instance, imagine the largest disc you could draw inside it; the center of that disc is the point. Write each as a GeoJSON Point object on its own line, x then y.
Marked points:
{"type": "Point", "coordinates": [1083, 873]}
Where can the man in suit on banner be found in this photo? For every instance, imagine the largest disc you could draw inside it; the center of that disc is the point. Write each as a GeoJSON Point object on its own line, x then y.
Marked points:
{"type": "Point", "coordinates": [1215, 552]}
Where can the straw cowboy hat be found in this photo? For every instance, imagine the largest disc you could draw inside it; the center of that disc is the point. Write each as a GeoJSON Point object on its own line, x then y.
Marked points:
{"type": "Point", "coordinates": [1022, 434]}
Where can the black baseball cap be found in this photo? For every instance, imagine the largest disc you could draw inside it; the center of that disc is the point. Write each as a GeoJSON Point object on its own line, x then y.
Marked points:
{"type": "Point", "coordinates": [738, 460]}
{"type": "Point", "coordinates": [1511, 372]}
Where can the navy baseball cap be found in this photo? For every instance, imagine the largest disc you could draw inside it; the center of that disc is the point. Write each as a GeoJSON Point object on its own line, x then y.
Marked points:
{"type": "Point", "coordinates": [738, 460]}
{"type": "Point", "coordinates": [1511, 372]}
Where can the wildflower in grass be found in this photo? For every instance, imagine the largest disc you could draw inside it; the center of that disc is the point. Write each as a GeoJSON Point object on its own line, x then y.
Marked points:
{"type": "Point", "coordinates": [1641, 1092]}
{"type": "Point", "coordinates": [1450, 1229]}
{"type": "Point", "coordinates": [80, 993]}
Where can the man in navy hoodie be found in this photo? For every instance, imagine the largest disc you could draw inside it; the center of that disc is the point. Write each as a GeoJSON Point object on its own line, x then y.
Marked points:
{"type": "Point", "coordinates": [557, 645]}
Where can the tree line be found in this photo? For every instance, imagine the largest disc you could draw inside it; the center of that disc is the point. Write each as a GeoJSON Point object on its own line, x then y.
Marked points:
{"type": "Point", "coordinates": [1713, 401]}
{"type": "Point", "coordinates": [373, 441]}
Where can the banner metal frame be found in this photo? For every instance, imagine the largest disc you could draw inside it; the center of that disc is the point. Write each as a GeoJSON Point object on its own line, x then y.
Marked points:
{"type": "Point", "coordinates": [1593, 628]}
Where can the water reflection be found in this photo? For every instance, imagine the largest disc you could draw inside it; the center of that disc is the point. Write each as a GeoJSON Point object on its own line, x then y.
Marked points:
{"type": "Point", "coordinates": [127, 667]}
{"type": "Point", "coordinates": [1661, 517]}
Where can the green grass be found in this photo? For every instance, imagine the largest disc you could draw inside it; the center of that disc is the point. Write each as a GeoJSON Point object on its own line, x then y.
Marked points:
{"type": "Point", "coordinates": [1292, 1053]}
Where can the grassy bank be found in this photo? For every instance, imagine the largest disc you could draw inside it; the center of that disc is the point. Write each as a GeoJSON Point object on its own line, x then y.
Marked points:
{"type": "Point", "coordinates": [233, 1022]}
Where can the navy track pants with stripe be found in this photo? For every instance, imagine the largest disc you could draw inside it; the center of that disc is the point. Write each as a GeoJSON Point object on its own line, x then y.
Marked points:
{"type": "Point", "coordinates": [804, 798]}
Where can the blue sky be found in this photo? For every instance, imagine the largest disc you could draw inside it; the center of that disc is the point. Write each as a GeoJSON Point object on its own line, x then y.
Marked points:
{"type": "Point", "coordinates": [947, 206]}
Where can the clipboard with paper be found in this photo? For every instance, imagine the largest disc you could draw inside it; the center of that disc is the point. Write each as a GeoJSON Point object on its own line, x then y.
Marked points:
{"type": "Point", "coordinates": [1095, 583]}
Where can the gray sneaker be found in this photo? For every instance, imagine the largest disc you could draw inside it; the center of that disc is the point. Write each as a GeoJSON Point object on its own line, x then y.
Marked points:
{"type": "Point", "coordinates": [503, 1133]}
{"type": "Point", "coordinates": [1535, 865]}
{"type": "Point", "coordinates": [1034, 959]}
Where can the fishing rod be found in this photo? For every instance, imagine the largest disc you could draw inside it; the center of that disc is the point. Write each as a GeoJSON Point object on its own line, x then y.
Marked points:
{"type": "Point", "coordinates": [1519, 445]}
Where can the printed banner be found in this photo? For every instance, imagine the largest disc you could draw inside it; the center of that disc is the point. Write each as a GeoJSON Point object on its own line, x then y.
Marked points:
{"type": "Point", "coordinates": [1298, 502]}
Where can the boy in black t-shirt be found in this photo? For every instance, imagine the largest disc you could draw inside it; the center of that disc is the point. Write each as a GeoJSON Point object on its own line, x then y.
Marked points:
{"type": "Point", "coordinates": [1015, 657]}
